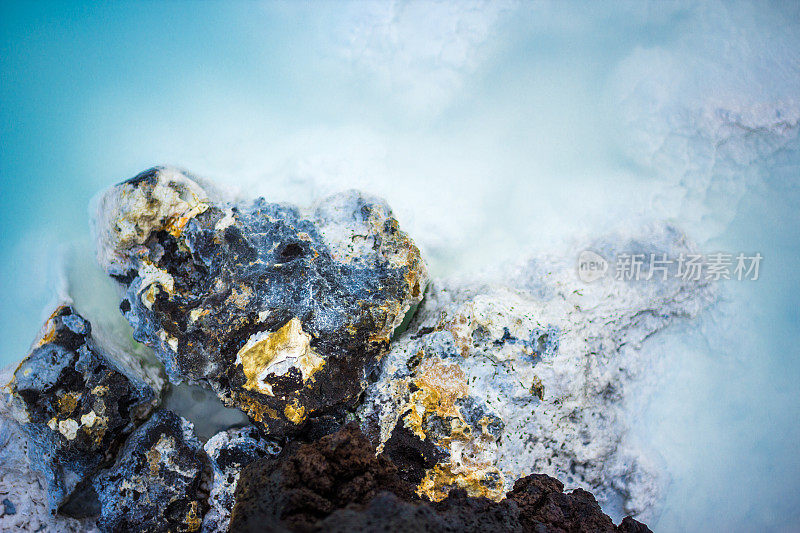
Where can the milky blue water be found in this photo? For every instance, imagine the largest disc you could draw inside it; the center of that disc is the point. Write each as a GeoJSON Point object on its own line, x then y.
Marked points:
{"type": "Point", "coordinates": [494, 130]}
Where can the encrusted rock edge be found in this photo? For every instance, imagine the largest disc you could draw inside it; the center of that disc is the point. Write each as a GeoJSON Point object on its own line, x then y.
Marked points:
{"type": "Point", "coordinates": [339, 483]}
{"type": "Point", "coordinates": [168, 238]}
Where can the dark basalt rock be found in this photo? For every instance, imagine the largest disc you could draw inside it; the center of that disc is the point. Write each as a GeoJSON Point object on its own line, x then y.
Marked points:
{"type": "Point", "coordinates": [455, 514]}
{"type": "Point", "coordinates": [76, 404]}
{"type": "Point", "coordinates": [310, 481]}
{"type": "Point", "coordinates": [339, 484]}
{"type": "Point", "coordinates": [412, 455]}
{"type": "Point", "coordinates": [156, 483]}
{"type": "Point", "coordinates": [284, 312]}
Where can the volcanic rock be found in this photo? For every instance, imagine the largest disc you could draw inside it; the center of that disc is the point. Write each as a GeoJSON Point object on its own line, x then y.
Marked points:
{"type": "Point", "coordinates": [23, 490]}
{"type": "Point", "coordinates": [229, 452]}
{"type": "Point", "coordinates": [76, 403]}
{"type": "Point", "coordinates": [338, 483]}
{"type": "Point", "coordinates": [284, 312]}
{"type": "Point", "coordinates": [528, 372]}
{"type": "Point", "coordinates": [155, 484]}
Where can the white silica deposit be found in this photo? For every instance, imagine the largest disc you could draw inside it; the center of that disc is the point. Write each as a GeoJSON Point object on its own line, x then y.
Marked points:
{"type": "Point", "coordinates": [527, 370]}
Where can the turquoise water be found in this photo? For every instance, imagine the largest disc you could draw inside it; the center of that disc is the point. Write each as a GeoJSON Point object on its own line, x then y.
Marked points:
{"type": "Point", "coordinates": [494, 130]}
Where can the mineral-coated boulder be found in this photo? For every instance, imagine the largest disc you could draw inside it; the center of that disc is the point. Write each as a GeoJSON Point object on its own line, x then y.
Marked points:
{"type": "Point", "coordinates": [76, 403]}
{"type": "Point", "coordinates": [229, 452]}
{"type": "Point", "coordinates": [451, 387]}
{"type": "Point", "coordinates": [528, 372]}
{"type": "Point", "coordinates": [24, 501]}
{"type": "Point", "coordinates": [310, 481]}
{"type": "Point", "coordinates": [339, 484]}
{"type": "Point", "coordinates": [155, 484]}
{"type": "Point", "coordinates": [285, 312]}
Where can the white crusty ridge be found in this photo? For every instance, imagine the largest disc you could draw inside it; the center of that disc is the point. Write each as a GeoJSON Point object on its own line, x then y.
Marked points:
{"type": "Point", "coordinates": [544, 361]}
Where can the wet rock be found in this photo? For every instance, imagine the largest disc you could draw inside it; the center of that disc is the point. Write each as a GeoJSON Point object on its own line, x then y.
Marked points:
{"type": "Point", "coordinates": [455, 514]}
{"type": "Point", "coordinates": [537, 504]}
{"type": "Point", "coordinates": [629, 525]}
{"type": "Point", "coordinates": [308, 482]}
{"type": "Point", "coordinates": [76, 404]}
{"type": "Point", "coordinates": [339, 484]}
{"type": "Point", "coordinates": [463, 372]}
{"type": "Point", "coordinates": [284, 312]}
{"type": "Point", "coordinates": [229, 452]}
{"type": "Point", "coordinates": [156, 482]}
{"type": "Point", "coordinates": [528, 372]}
{"type": "Point", "coordinates": [541, 500]}
{"type": "Point", "coordinates": [412, 455]}
{"type": "Point", "coordinates": [23, 490]}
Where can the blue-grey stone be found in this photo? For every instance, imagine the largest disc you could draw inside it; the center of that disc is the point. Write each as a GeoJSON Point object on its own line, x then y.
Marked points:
{"type": "Point", "coordinates": [285, 312]}
{"type": "Point", "coordinates": [155, 483]}
{"type": "Point", "coordinates": [75, 403]}
{"type": "Point", "coordinates": [8, 507]}
{"type": "Point", "coordinates": [229, 452]}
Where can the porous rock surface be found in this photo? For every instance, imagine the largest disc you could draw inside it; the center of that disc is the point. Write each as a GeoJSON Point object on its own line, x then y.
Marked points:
{"type": "Point", "coordinates": [156, 483]}
{"type": "Point", "coordinates": [75, 403]}
{"type": "Point", "coordinates": [338, 483]}
{"type": "Point", "coordinates": [230, 451]}
{"type": "Point", "coordinates": [528, 372]}
{"type": "Point", "coordinates": [24, 501]}
{"type": "Point", "coordinates": [287, 314]}
{"type": "Point", "coordinates": [284, 312]}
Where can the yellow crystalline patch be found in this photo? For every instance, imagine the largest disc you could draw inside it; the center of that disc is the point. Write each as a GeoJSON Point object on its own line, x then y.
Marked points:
{"type": "Point", "coordinates": [257, 411]}
{"type": "Point", "coordinates": [441, 478]}
{"type": "Point", "coordinates": [241, 297]}
{"type": "Point", "coordinates": [447, 382]}
{"type": "Point", "coordinates": [50, 334]}
{"type": "Point", "coordinates": [176, 223]}
{"type": "Point", "coordinates": [67, 403]}
{"type": "Point", "coordinates": [440, 385]}
{"type": "Point", "coordinates": [48, 337]}
{"type": "Point", "coordinates": [153, 459]}
{"type": "Point", "coordinates": [295, 412]}
{"type": "Point", "coordinates": [195, 314]}
{"type": "Point", "coordinates": [277, 352]}
{"type": "Point", "coordinates": [193, 519]}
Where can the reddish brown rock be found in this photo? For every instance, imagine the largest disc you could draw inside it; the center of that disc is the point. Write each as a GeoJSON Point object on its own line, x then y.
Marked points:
{"type": "Point", "coordinates": [338, 483]}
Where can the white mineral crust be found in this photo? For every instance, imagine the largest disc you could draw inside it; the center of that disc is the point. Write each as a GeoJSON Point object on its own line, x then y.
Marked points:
{"type": "Point", "coordinates": [21, 485]}
{"type": "Point", "coordinates": [537, 330]}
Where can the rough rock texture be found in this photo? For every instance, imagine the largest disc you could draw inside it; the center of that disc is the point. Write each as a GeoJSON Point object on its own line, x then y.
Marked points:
{"type": "Point", "coordinates": [529, 373]}
{"type": "Point", "coordinates": [156, 483]}
{"type": "Point", "coordinates": [285, 312]}
{"type": "Point", "coordinates": [537, 503]}
{"type": "Point", "coordinates": [310, 481]}
{"type": "Point", "coordinates": [76, 404]}
{"type": "Point", "coordinates": [24, 503]}
{"type": "Point", "coordinates": [339, 484]}
{"type": "Point", "coordinates": [229, 452]}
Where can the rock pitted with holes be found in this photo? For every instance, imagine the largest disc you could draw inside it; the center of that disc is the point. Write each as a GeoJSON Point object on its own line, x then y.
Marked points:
{"type": "Point", "coordinates": [285, 312]}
